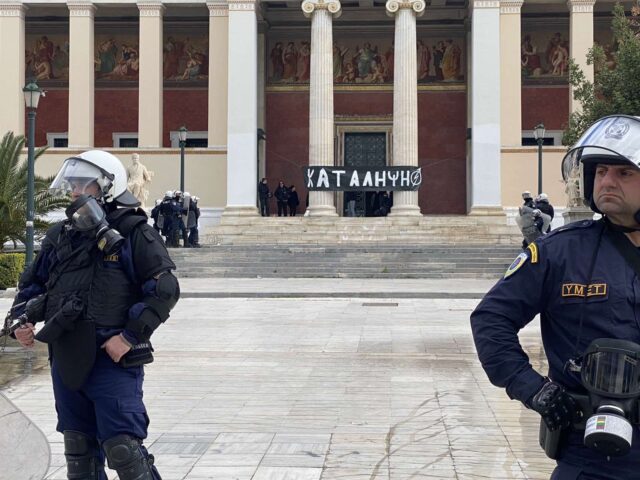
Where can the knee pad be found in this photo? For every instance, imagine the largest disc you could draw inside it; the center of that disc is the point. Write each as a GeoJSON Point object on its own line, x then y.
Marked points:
{"type": "Point", "coordinates": [82, 455]}
{"type": "Point", "coordinates": [126, 456]}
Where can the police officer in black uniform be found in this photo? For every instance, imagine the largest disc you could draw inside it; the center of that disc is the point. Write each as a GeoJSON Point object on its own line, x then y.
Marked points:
{"type": "Point", "coordinates": [109, 284]}
{"type": "Point", "coordinates": [584, 288]}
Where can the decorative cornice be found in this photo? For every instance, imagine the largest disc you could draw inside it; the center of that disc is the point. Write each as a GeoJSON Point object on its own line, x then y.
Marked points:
{"type": "Point", "coordinates": [81, 9]}
{"type": "Point", "coordinates": [150, 8]}
{"type": "Point", "coordinates": [474, 4]}
{"type": "Point", "coordinates": [218, 8]}
{"type": "Point", "coordinates": [332, 6]}
{"type": "Point", "coordinates": [242, 5]}
{"type": "Point", "coordinates": [511, 6]}
{"type": "Point", "coordinates": [580, 6]}
{"type": "Point", "coordinates": [12, 9]}
{"type": "Point", "coordinates": [394, 6]}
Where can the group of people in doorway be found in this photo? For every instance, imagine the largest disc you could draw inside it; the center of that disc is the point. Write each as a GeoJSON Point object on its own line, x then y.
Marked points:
{"type": "Point", "coordinates": [176, 217]}
{"type": "Point", "coordinates": [287, 199]}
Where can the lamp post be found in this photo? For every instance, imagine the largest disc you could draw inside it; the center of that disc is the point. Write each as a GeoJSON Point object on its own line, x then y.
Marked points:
{"type": "Point", "coordinates": [32, 94]}
{"type": "Point", "coordinates": [538, 133]}
{"type": "Point", "coordinates": [182, 136]}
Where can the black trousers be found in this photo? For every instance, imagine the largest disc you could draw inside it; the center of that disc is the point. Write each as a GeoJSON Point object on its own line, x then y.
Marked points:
{"type": "Point", "coordinates": [293, 209]}
{"type": "Point", "coordinates": [282, 208]}
{"type": "Point", "coordinates": [264, 206]}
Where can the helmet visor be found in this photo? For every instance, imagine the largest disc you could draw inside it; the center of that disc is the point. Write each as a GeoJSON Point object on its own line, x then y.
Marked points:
{"type": "Point", "coordinates": [611, 140]}
{"type": "Point", "coordinates": [79, 177]}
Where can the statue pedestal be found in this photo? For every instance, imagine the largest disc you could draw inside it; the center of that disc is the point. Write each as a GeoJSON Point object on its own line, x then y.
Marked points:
{"type": "Point", "coordinates": [575, 214]}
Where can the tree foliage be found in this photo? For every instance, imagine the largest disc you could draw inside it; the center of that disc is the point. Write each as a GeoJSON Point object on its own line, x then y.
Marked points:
{"type": "Point", "coordinates": [616, 77]}
{"type": "Point", "coordinates": [13, 193]}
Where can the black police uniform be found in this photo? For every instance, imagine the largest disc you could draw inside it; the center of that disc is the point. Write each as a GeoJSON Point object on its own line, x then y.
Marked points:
{"type": "Point", "coordinates": [574, 270]}
{"type": "Point", "coordinates": [99, 402]}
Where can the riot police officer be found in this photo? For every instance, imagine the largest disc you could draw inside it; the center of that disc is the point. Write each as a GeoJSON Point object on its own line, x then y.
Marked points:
{"type": "Point", "coordinates": [167, 212]}
{"type": "Point", "coordinates": [181, 211]}
{"type": "Point", "coordinates": [192, 222]}
{"type": "Point", "coordinates": [109, 284]}
{"type": "Point", "coordinates": [584, 288]}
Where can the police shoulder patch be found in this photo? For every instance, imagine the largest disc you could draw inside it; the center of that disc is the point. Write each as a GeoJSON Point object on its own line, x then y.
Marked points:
{"type": "Point", "coordinates": [517, 264]}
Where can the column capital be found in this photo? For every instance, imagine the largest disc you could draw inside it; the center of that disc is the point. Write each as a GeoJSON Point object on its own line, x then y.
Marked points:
{"type": "Point", "coordinates": [581, 6]}
{"type": "Point", "coordinates": [510, 6]}
{"type": "Point", "coordinates": [80, 8]}
{"type": "Point", "coordinates": [332, 6]}
{"type": "Point", "coordinates": [12, 9]}
{"type": "Point", "coordinates": [242, 5]}
{"type": "Point", "coordinates": [218, 8]}
{"type": "Point", "coordinates": [477, 4]}
{"type": "Point", "coordinates": [394, 6]}
{"type": "Point", "coordinates": [150, 8]}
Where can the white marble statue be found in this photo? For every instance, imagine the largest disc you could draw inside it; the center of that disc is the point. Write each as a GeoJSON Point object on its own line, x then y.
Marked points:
{"type": "Point", "coordinates": [138, 177]}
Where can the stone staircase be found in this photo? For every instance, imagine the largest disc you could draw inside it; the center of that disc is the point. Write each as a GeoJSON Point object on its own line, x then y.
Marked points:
{"type": "Point", "coordinates": [345, 261]}
{"type": "Point", "coordinates": [422, 230]}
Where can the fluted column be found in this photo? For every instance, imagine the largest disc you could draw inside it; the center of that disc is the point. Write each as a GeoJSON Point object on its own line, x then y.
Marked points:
{"type": "Point", "coordinates": [242, 156]}
{"type": "Point", "coordinates": [218, 71]}
{"type": "Point", "coordinates": [581, 39]}
{"type": "Point", "coordinates": [321, 119]}
{"type": "Point", "coordinates": [81, 73]}
{"type": "Point", "coordinates": [510, 73]}
{"type": "Point", "coordinates": [150, 110]}
{"type": "Point", "coordinates": [486, 197]}
{"type": "Point", "coordinates": [405, 97]}
{"type": "Point", "coordinates": [12, 60]}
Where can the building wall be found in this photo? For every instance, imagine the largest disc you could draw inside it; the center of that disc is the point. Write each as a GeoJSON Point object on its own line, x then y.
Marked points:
{"type": "Point", "coordinates": [441, 131]}
{"type": "Point", "coordinates": [546, 104]}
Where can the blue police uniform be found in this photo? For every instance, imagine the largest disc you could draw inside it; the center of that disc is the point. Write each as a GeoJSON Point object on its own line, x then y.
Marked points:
{"type": "Point", "coordinates": [99, 398]}
{"type": "Point", "coordinates": [553, 278]}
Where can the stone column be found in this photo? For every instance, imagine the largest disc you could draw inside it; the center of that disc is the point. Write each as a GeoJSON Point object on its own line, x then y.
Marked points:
{"type": "Point", "coordinates": [242, 168]}
{"type": "Point", "coordinates": [81, 74]}
{"type": "Point", "coordinates": [486, 198]}
{"type": "Point", "coordinates": [321, 144]}
{"type": "Point", "coordinates": [510, 73]}
{"type": "Point", "coordinates": [218, 72]}
{"type": "Point", "coordinates": [405, 97]}
{"type": "Point", "coordinates": [12, 60]}
{"type": "Point", "coordinates": [150, 80]}
{"type": "Point", "coordinates": [581, 39]}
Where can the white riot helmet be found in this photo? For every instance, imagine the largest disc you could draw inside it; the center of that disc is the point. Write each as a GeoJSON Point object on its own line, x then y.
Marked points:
{"type": "Point", "coordinates": [612, 140]}
{"type": "Point", "coordinates": [168, 194]}
{"type": "Point", "coordinates": [78, 173]}
{"type": "Point", "coordinates": [543, 197]}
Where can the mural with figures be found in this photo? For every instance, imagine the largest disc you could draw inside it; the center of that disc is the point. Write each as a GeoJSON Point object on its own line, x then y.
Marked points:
{"type": "Point", "coordinates": [117, 57]}
{"type": "Point", "coordinates": [368, 61]}
{"type": "Point", "coordinates": [545, 53]}
{"type": "Point", "coordinates": [47, 57]}
{"type": "Point", "coordinates": [186, 57]}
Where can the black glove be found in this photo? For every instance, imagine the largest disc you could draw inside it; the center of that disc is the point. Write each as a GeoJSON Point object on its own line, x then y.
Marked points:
{"type": "Point", "coordinates": [557, 408]}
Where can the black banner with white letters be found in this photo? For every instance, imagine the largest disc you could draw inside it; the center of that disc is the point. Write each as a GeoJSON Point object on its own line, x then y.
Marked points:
{"type": "Point", "coordinates": [320, 178]}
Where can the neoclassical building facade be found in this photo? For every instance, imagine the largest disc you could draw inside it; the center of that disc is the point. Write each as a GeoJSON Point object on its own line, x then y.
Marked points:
{"type": "Point", "coordinates": [268, 87]}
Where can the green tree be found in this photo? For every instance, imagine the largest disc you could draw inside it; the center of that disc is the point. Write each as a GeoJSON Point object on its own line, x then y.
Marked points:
{"type": "Point", "coordinates": [616, 83]}
{"type": "Point", "coordinates": [13, 193]}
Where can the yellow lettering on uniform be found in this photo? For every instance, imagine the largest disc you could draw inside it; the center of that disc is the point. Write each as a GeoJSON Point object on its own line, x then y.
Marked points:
{"type": "Point", "coordinates": [580, 290]}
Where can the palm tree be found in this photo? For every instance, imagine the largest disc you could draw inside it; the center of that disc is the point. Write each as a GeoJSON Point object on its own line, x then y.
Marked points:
{"type": "Point", "coordinates": [13, 193]}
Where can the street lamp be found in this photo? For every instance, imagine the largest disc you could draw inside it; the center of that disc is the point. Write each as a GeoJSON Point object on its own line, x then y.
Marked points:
{"type": "Point", "coordinates": [182, 136]}
{"type": "Point", "coordinates": [538, 134]}
{"type": "Point", "coordinates": [32, 94]}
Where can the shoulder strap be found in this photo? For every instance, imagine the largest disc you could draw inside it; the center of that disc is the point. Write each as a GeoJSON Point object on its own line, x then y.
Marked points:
{"type": "Point", "coordinates": [626, 248]}
{"type": "Point", "coordinates": [125, 220]}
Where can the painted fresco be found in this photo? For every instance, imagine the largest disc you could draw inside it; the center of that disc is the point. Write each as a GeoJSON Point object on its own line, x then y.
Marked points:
{"type": "Point", "coordinates": [117, 57]}
{"type": "Point", "coordinates": [544, 55]}
{"type": "Point", "coordinates": [357, 61]}
{"type": "Point", "coordinates": [47, 57]}
{"type": "Point", "coordinates": [186, 58]}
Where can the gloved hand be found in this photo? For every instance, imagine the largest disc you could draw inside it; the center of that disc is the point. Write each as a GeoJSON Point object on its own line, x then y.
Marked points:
{"type": "Point", "coordinates": [557, 408]}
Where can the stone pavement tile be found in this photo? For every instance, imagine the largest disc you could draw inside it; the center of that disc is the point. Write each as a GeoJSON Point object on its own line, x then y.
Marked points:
{"type": "Point", "coordinates": [220, 473]}
{"type": "Point", "coordinates": [237, 448]}
{"type": "Point", "coordinates": [285, 473]}
{"type": "Point", "coordinates": [308, 461]}
{"type": "Point", "coordinates": [230, 460]}
{"type": "Point", "coordinates": [301, 438]}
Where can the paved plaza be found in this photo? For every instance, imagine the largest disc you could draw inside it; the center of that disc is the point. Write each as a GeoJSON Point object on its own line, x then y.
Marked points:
{"type": "Point", "coordinates": [325, 387]}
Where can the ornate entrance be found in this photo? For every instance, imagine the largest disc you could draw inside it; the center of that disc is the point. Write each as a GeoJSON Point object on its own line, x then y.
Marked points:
{"type": "Point", "coordinates": [363, 149]}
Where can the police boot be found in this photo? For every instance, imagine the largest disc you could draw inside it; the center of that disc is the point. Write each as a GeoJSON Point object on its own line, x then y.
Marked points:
{"type": "Point", "coordinates": [129, 458]}
{"type": "Point", "coordinates": [185, 240]}
{"type": "Point", "coordinates": [83, 457]}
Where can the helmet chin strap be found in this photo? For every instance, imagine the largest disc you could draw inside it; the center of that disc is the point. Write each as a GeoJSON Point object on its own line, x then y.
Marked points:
{"type": "Point", "coordinates": [623, 229]}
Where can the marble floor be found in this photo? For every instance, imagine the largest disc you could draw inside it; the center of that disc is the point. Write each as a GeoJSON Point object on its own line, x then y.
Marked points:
{"type": "Point", "coordinates": [331, 388]}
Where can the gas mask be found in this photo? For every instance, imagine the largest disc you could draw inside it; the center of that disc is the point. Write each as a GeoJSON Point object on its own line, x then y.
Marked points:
{"type": "Point", "coordinates": [87, 216]}
{"type": "Point", "coordinates": [611, 374]}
